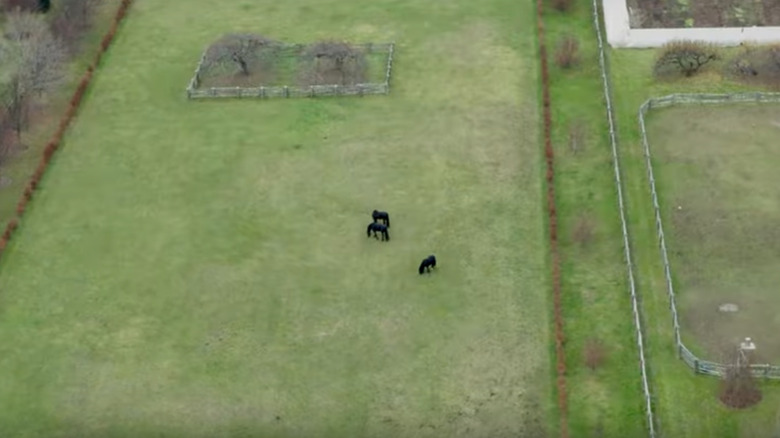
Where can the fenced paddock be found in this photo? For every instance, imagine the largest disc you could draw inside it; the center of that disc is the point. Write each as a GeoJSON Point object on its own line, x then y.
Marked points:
{"type": "Point", "coordinates": [699, 365]}
{"type": "Point", "coordinates": [235, 312]}
{"type": "Point", "coordinates": [196, 90]}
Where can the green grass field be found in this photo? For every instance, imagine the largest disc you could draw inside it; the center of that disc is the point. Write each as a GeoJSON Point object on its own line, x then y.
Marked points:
{"type": "Point", "coordinates": [201, 268]}
{"type": "Point", "coordinates": [717, 169]}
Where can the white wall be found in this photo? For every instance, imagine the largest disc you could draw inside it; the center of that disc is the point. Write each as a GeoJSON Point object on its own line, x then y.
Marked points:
{"type": "Point", "coordinates": [620, 35]}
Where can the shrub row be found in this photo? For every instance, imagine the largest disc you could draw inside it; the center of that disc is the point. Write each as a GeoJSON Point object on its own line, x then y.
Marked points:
{"type": "Point", "coordinates": [553, 218]}
{"type": "Point", "coordinates": [56, 140]}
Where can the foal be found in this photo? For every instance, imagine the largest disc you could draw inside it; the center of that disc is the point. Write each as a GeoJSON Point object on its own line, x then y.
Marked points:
{"type": "Point", "coordinates": [377, 228]}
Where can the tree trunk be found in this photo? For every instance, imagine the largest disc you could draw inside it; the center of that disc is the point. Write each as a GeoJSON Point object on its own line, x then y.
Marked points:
{"type": "Point", "coordinates": [241, 63]}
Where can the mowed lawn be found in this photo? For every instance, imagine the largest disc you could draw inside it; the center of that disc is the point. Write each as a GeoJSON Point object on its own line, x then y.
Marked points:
{"type": "Point", "coordinates": [202, 269]}
{"type": "Point", "coordinates": [717, 170]}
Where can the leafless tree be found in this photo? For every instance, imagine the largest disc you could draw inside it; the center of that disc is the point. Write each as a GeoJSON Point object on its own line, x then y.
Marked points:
{"type": "Point", "coordinates": [562, 5]}
{"type": "Point", "coordinates": [738, 388]}
{"type": "Point", "coordinates": [686, 57]}
{"type": "Point", "coordinates": [71, 20]}
{"type": "Point", "coordinates": [594, 354]}
{"type": "Point", "coordinates": [33, 60]}
{"type": "Point", "coordinates": [241, 49]}
{"type": "Point", "coordinates": [335, 58]}
{"type": "Point", "coordinates": [567, 52]}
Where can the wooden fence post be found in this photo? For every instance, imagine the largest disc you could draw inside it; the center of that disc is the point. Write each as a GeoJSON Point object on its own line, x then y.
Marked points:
{"type": "Point", "coordinates": [286, 91]}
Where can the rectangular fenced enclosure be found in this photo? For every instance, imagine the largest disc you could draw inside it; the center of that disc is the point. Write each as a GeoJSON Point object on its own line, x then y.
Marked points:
{"type": "Point", "coordinates": [277, 70]}
{"type": "Point", "coordinates": [690, 218]}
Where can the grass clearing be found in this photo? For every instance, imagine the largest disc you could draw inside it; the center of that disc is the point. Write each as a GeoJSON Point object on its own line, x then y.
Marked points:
{"type": "Point", "coordinates": [719, 200]}
{"type": "Point", "coordinates": [200, 268]}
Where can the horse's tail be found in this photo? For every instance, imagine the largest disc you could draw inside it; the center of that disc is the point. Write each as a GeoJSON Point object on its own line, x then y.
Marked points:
{"type": "Point", "coordinates": [422, 268]}
{"type": "Point", "coordinates": [368, 230]}
{"type": "Point", "coordinates": [388, 221]}
{"type": "Point", "coordinates": [387, 235]}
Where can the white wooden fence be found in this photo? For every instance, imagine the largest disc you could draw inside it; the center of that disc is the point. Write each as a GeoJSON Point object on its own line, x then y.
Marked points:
{"type": "Point", "coordinates": [635, 308]}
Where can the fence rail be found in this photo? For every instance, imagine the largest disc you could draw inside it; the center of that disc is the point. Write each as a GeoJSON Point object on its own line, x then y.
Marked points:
{"type": "Point", "coordinates": [699, 366]}
{"type": "Point", "coordinates": [287, 91]}
{"type": "Point", "coordinates": [636, 310]}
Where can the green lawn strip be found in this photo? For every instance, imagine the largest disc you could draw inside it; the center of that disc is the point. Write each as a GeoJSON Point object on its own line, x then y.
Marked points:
{"type": "Point", "coordinates": [201, 268]}
{"type": "Point", "coordinates": [46, 116]}
{"type": "Point", "coordinates": [596, 297]}
{"type": "Point", "coordinates": [686, 405]}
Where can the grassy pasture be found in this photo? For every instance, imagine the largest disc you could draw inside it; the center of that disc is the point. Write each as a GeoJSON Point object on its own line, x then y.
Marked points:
{"type": "Point", "coordinates": [720, 195]}
{"type": "Point", "coordinates": [686, 405]}
{"type": "Point", "coordinates": [607, 401]}
{"type": "Point", "coordinates": [201, 269]}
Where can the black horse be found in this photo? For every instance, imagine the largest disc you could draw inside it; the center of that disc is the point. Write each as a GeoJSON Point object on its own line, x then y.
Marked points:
{"type": "Point", "coordinates": [427, 263]}
{"type": "Point", "coordinates": [377, 228]}
{"type": "Point", "coordinates": [381, 216]}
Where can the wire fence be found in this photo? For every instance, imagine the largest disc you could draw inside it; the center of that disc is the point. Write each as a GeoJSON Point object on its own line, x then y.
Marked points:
{"type": "Point", "coordinates": [698, 365]}
{"type": "Point", "coordinates": [626, 241]}
{"type": "Point", "coordinates": [287, 91]}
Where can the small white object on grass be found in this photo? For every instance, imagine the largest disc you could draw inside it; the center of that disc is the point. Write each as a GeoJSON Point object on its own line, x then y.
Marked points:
{"type": "Point", "coordinates": [748, 345]}
{"type": "Point", "coordinates": [679, 207]}
{"type": "Point", "coordinates": [728, 307]}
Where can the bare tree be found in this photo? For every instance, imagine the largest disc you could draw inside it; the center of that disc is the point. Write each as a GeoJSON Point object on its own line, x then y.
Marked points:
{"type": "Point", "coordinates": [595, 353]}
{"type": "Point", "coordinates": [329, 59]}
{"type": "Point", "coordinates": [686, 57]}
{"type": "Point", "coordinates": [738, 388]}
{"type": "Point", "coordinates": [72, 18]}
{"type": "Point", "coordinates": [33, 59]}
{"type": "Point", "coordinates": [240, 49]}
{"type": "Point", "coordinates": [567, 52]}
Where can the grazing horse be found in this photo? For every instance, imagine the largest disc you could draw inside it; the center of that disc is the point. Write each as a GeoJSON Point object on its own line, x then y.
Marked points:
{"type": "Point", "coordinates": [427, 263]}
{"type": "Point", "coordinates": [381, 216]}
{"type": "Point", "coordinates": [377, 228]}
